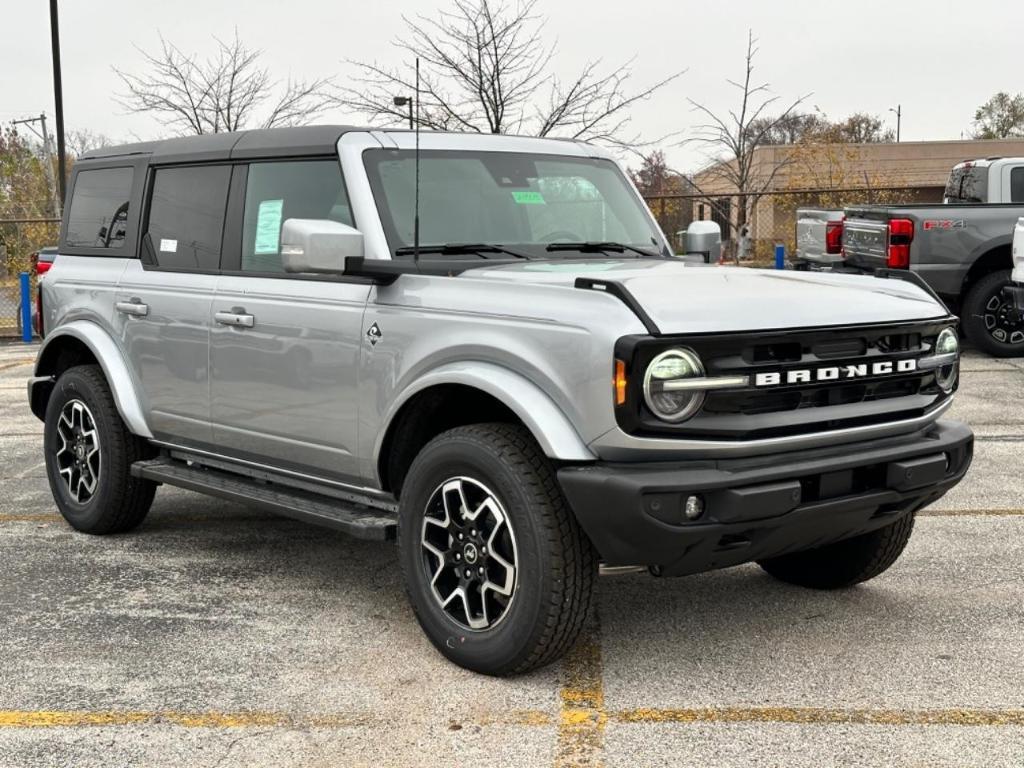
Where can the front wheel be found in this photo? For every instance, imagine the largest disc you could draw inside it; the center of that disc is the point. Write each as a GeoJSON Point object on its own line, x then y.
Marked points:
{"type": "Point", "coordinates": [991, 320]}
{"type": "Point", "coordinates": [498, 572]}
{"type": "Point", "coordinates": [846, 562]}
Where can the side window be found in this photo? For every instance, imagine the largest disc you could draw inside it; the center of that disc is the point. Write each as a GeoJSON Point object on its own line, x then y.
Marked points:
{"type": "Point", "coordinates": [98, 215]}
{"type": "Point", "coordinates": [275, 191]}
{"type": "Point", "coordinates": [1017, 185]}
{"type": "Point", "coordinates": [186, 216]}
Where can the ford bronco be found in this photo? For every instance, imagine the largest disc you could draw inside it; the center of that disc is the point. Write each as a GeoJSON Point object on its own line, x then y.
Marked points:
{"type": "Point", "coordinates": [483, 347]}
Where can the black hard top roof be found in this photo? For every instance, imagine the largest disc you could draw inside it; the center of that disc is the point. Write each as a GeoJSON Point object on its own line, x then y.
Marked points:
{"type": "Point", "coordinates": [263, 142]}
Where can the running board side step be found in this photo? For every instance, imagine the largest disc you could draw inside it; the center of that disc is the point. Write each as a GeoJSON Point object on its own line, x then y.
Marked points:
{"type": "Point", "coordinates": [355, 519]}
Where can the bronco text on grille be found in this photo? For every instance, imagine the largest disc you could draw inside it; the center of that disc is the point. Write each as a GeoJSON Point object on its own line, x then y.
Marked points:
{"type": "Point", "coordinates": [795, 382]}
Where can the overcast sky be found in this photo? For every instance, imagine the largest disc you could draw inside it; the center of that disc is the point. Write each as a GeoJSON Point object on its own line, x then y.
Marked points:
{"type": "Point", "coordinates": [939, 60]}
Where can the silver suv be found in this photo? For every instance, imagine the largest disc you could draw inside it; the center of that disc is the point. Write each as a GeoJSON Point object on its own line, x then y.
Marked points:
{"type": "Point", "coordinates": [484, 347]}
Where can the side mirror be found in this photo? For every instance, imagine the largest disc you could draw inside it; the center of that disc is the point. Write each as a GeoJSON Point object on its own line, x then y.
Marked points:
{"type": "Point", "coordinates": [318, 245]}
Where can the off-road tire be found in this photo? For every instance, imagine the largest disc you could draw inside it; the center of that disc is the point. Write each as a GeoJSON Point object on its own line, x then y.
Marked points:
{"type": "Point", "coordinates": [557, 563]}
{"type": "Point", "coordinates": [120, 501]}
{"type": "Point", "coordinates": [846, 562]}
{"type": "Point", "coordinates": [974, 305]}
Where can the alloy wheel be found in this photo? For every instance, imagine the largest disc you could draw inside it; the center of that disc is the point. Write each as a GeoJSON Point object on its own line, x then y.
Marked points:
{"type": "Point", "coordinates": [1003, 321]}
{"type": "Point", "coordinates": [78, 451]}
{"type": "Point", "coordinates": [469, 553]}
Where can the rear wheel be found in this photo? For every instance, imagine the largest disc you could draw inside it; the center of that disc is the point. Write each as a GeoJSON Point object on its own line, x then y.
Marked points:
{"type": "Point", "coordinates": [498, 572]}
{"type": "Point", "coordinates": [89, 452]}
{"type": "Point", "coordinates": [846, 562]}
{"type": "Point", "coordinates": [991, 320]}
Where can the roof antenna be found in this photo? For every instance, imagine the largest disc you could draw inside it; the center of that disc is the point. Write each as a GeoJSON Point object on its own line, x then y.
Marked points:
{"type": "Point", "coordinates": [416, 204]}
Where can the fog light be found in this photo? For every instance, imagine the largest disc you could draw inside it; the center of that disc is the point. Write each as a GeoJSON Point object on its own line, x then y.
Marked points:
{"type": "Point", "coordinates": [694, 507]}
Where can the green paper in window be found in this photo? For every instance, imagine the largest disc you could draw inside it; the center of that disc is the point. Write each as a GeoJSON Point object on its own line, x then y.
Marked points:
{"type": "Point", "coordinates": [527, 197]}
{"type": "Point", "coordinates": [268, 227]}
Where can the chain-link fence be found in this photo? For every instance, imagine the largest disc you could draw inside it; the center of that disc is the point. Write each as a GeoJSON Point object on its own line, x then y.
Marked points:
{"type": "Point", "coordinates": [20, 239]}
{"type": "Point", "coordinates": [752, 225]}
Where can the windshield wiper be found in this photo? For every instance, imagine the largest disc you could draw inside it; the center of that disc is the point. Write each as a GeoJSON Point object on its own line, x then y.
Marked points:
{"type": "Point", "coordinates": [601, 247]}
{"type": "Point", "coordinates": [449, 249]}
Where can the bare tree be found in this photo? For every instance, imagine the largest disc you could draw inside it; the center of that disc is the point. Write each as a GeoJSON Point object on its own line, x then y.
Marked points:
{"type": "Point", "coordinates": [484, 68]}
{"type": "Point", "coordinates": [791, 129]}
{"type": "Point", "coordinates": [862, 128]}
{"type": "Point", "coordinates": [227, 91]}
{"type": "Point", "coordinates": [82, 140]}
{"type": "Point", "coordinates": [732, 140]}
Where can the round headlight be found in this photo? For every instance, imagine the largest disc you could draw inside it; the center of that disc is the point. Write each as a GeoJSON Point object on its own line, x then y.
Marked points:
{"type": "Point", "coordinates": [666, 403]}
{"type": "Point", "coordinates": [947, 343]}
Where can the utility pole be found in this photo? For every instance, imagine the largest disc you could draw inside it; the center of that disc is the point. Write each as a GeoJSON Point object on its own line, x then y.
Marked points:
{"type": "Point", "coordinates": [47, 157]}
{"type": "Point", "coordinates": [58, 101]}
{"type": "Point", "coordinates": [899, 116]}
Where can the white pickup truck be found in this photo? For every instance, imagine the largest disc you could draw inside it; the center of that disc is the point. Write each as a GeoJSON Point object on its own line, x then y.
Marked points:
{"type": "Point", "coordinates": [819, 239]}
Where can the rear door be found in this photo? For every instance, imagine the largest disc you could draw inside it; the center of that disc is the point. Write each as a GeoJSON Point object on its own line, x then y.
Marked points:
{"type": "Point", "coordinates": [164, 299]}
{"type": "Point", "coordinates": [285, 347]}
{"type": "Point", "coordinates": [1013, 183]}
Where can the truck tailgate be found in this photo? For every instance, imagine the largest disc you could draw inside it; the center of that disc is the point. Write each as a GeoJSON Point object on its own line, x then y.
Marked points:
{"type": "Point", "coordinates": [865, 243]}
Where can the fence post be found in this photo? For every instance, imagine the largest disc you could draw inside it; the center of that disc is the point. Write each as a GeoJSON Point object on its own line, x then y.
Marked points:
{"type": "Point", "coordinates": [780, 256]}
{"type": "Point", "coordinates": [26, 308]}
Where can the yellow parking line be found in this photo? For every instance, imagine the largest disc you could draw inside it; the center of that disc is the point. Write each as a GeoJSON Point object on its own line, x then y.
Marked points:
{"type": "Point", "coordinates": [245, 719]}
{"type": "Point", "coordinates": [823, 715]}
{"type": "Point", "coordinates": [971, 512]}
{"type": "Point", "coordinates": [22, 517]}
{"type": "Point", "coordinates": [580, 728]}
{"type": "Point", "coordinates": [582, 719]}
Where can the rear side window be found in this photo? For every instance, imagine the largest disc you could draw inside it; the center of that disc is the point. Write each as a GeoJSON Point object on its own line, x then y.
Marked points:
{"type": "Point", "coordinates": [98, 215]}
{"type": "Point", "coordinates": [186, 217]}
{"type": "Point", "coordinates": [1017, 185]}
{"type": "Point", "coordinates": [276, 191]}
{"type": "Point", "coordinates": [967, 184]}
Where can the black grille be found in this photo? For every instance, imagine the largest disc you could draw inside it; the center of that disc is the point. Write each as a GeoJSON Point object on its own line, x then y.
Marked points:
{"type": "Point", "coordinates": [761, 412]}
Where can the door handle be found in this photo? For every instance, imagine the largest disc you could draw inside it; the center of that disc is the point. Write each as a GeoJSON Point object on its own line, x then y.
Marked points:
{"type": "Point", "coordinates": [237, 319]}
{"type": "Point", "coordinates": [134, 307]}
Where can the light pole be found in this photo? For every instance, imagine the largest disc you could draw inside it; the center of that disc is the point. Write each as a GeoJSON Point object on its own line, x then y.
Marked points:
{"type": "Point", "coordinates": [58, 99]}
{"type": "Point", "coordinates": [401, 101]}
{"type": "Point", "coordinates": [899, 116]}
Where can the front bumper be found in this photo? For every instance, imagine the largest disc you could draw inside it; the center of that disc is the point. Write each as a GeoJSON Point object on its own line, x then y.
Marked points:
{"type": "Point", "coordinates": [765, 506]}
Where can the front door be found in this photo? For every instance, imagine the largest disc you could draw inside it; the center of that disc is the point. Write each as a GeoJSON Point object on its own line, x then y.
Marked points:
{"type": "Point", "coordinates": [163, 303]}
{"type": "Point", "coordinates": [284, 349]}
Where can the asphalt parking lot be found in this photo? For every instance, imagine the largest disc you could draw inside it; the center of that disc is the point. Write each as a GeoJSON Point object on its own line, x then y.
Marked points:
{"type": "Point", "coordinates": [219, 636]}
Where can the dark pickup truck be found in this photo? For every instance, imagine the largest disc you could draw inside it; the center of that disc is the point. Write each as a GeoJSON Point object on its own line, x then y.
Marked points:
{"type": "Point", "coordinates": [961, 249]}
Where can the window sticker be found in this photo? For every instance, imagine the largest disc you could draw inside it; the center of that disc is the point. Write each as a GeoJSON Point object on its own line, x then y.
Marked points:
{"type": "Point", "coordinates": [168, 246]}
{"type": "Point", "coordinates": [527, 197]}
{"type": "Point", "coordinates": [268, 227]}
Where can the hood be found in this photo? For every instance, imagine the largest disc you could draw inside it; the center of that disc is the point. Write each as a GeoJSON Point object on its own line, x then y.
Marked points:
{"type": "Point", "coordinates": [692, 298]}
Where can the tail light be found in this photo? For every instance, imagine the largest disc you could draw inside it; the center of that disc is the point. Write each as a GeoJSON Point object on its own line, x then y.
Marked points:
{"type": "Point", "coordinates": [42, 267]}
{"type": "Point", "coordinates": [901, 235]}
{"type": "Point", "coordinates": [834, 236]}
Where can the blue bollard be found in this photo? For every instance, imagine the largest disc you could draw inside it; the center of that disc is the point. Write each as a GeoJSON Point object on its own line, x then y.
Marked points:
{"type": "Point", "coordinates": [780, 257]}
{"type": "Point", "coordinates": [26, 308]}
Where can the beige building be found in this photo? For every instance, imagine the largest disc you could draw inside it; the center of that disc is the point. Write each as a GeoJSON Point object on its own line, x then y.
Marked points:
{"type": "Point", "coordinates": [834, 175]}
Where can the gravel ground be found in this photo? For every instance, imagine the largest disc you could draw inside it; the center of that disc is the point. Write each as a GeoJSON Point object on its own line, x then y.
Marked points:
{"type": "Point", "coordinates": [220, 636]}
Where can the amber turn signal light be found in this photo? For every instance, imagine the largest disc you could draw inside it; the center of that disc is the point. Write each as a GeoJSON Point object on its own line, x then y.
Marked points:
{"type": "Point", "coordinates": [619, 382]}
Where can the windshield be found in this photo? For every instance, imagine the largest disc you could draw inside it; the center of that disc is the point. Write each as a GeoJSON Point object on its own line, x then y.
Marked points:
{"type": "Point", "coordinates": [967, 183]}
{"type": "Point", "coordinates": [522, 201]}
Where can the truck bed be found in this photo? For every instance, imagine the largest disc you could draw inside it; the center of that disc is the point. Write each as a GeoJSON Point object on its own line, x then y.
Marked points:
{"type": "Point", "coordinates": [946, 239]}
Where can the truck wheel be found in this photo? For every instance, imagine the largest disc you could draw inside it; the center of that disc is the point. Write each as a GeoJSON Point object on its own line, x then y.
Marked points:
{"type": "Point", "coordinates": [89, 452]}
{"type": "Point", "coordinates": [498, 572]}
{"type": "Point", "coordinates": [991, 321]}
{"type": "Point", "coordinates": [846, 562]}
